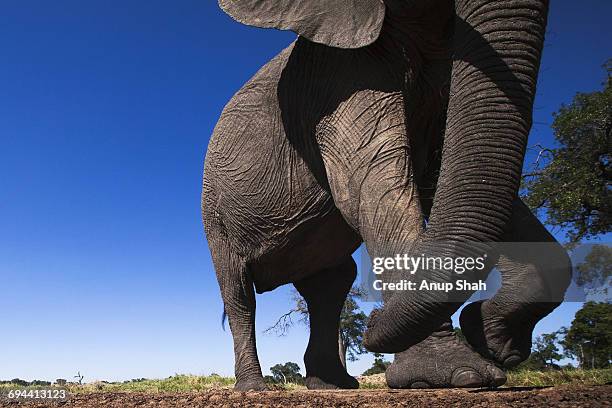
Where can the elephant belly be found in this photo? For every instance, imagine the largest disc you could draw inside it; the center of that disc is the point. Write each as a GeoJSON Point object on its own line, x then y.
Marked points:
{"type": "Point", "coordinates": [313, 246]}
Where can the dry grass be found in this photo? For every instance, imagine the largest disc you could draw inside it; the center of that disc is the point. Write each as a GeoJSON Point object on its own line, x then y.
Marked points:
{"type": "Point", "coordinates": [530, 378]}
{"type": "Point", "coordinates": [526, 378]}
{"type": "Point", "coordinates": [192, 383]}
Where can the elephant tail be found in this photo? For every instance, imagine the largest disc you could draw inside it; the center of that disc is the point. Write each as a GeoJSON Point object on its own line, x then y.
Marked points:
{"type": "Point", "coordinates": [223, 318]}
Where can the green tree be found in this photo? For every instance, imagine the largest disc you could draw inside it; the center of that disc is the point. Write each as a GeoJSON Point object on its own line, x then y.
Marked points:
{"type": "Point", "coordinates": [544, 353]}
{"type": "Point", "coordinates": [532, 363]}
{"type": "Point", "coordinates": [573, 189]}
{"type": "Point", "coordinates": [595, 270]}
{"type": "Point", "coordinates": [545, 349]}
{"type": "Point", "coordinates": [589, 338]}
{"type": "Point", "coordinates": [352, 324]}
{"type": "Point", "coordinates": [378, 366]}
{"type": "Point", "coordinates": [352, 327]}
{"type": "Point", "coordinates": [287, 373]}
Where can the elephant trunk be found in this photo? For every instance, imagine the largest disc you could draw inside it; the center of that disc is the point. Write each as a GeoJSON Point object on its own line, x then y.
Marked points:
{"type": "Point", "coordinates": [497, 48]}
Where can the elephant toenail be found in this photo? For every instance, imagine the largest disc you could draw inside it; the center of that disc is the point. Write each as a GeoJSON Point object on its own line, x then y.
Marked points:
{"type": "Point", "coordinates": [498, 377]}
{"type": "Point", "coordinates": [512, 361]}
{"type": "Point", "coordinates": [466, 378]}
{"type": "Point", "coordinates": [419, 384]}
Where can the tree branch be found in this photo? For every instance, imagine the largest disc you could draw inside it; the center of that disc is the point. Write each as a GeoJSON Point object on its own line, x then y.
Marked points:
{"type": "Point", "coordinates": [283, 323]}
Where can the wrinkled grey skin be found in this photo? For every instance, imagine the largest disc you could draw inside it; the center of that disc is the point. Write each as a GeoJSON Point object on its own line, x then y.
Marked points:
{"type": "Point", "coordinates": [343, 138]}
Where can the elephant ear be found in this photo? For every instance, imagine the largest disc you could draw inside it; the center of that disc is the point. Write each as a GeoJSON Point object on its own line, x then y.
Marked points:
{"type": "Point", "coordinates": [337, 23]}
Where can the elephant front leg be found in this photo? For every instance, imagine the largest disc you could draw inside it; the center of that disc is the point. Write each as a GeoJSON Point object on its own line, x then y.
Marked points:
{"type": "Point", "coordinates": [325, 294]}
{"type": "Point", "coordinates": [441, 361]}
{"type": "Point", "coordinates": [535, 271]}
{"type": "Point", "coordinates": [367, 157]}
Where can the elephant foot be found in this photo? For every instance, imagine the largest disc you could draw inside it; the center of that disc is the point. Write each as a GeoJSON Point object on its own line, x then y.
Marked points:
{"type": "Point", "coordinates": [498, 335]}
{"type": "Point", "coordinates": [339, 382]}
{"type": "Point", "coordinates": [253, 384]}
{"type": "Point", "coordinates": [442, 361]}
{"type": "Point", "coordinates": [324, 371]}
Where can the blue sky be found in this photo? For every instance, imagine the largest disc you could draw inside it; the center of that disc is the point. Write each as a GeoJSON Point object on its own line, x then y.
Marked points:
{"type": "Point", "coordinates": [105, 115]}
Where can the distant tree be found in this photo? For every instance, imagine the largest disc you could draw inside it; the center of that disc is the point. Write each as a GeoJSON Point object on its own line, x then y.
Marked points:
{"type": "Point", "coordinates": [532, 363]}
{"type": "Point", "coordinates": [596, 269]}
{"type": "Point", "coordinates": [23, 383]}
{"type": "Point", "coordinates": [572, 183]}
{"type": "Point", "coordinates": [378, 366]}
{"type": "Point", "coordinates": [287, 373]}
{"type": "Point", "coordinates": [136, 380]}
{"type": "Point", "coordinates": [352, 324]}
{"type": "Point", "coordinates": [589, 338]}
{"type": "Point", "coordinates": [546, 351]}
{"type": "Point", "coordinates": [268, 379]}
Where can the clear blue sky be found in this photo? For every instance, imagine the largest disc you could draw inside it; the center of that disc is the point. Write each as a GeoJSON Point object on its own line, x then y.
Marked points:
{"type": "Point", "coordinates": [106, 108]}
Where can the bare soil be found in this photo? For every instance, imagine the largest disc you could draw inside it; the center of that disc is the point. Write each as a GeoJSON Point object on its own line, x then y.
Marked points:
{"type": "Point", "coordinates": [563, 396]}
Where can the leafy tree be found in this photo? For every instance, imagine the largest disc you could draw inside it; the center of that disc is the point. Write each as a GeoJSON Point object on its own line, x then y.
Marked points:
{"type": "Point", "coordinates": [532, 363]}
{"type": "Point", "coordinates": [589, 338]}
{"type": "Point", "coordinates": [352, 327]}
{"type": "Point", "coordinates": [596, 269]}
{"type": "Point", "coordinates": [546, 351]}
{"type": "Point", "coordinates": [379, 365]}
{"type": "Point", "coordinates": [352, 324]}
{"type": "Point", "coordinates": [574, 188]}
{"type": "Point", "coordinates": [287, 373]}
{"type": "Point", "coordinates": [20, 382]}
{"type": "Point", "coordinates": [40, 383]}
{"type": "Point", "coordinates": [268, 379]}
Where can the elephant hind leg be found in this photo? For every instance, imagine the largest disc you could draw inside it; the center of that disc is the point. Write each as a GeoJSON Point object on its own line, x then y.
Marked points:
{"type": "Point", "coordinates": [442, 360]}
{"type": "Point", "coordinates": [239, 300]}
{"type": "Point", "coordinates": [535, 271]}
{"type": "Point", "coordinates": [325, 294]}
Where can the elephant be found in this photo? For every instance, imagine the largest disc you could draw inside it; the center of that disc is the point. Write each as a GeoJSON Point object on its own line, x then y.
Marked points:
{"type": "Point", "coordinates": [400, 124]}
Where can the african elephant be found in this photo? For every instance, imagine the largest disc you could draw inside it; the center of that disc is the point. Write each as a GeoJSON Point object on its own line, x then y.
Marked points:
{"type": "Point", "coordinates": [395, 122]}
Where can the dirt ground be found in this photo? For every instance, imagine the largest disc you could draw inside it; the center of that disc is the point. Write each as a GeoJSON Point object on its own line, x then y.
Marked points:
{"type": "Point", "coordinates": [563, 396]}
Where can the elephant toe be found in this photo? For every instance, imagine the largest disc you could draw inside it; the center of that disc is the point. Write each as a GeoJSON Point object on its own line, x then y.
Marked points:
{"type": "Point", "coordinates": [465, 377]}
{"type": "Point", "coordinates": [420, 385]}
{"type": "Point", "coordinates": [497, 376]}
{"type": "Point", "coordinates": [512, 361]}
{"type": "Point", "coordinates": [442, 362]}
